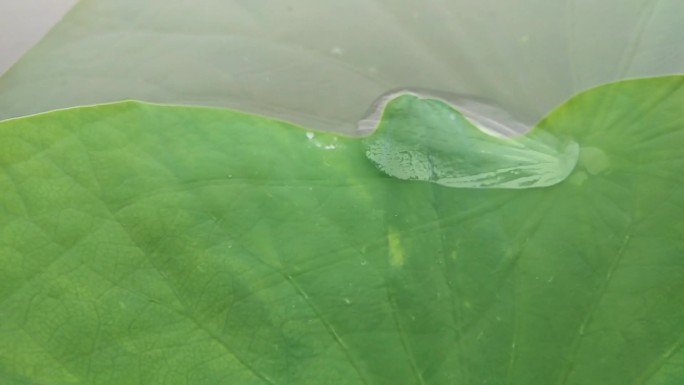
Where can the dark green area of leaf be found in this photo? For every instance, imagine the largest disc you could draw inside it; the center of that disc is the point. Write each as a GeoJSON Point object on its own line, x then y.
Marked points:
{"type": "Point", "coordinates": [174, 245]}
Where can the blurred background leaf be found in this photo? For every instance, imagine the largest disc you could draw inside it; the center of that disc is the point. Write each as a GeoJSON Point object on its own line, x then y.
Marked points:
{"type": "Point", "coordinates": [322, 63]}
{"type": "Point", "coordinates": [23, 23]}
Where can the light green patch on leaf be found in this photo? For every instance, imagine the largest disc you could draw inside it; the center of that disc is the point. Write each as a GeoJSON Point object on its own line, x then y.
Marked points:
{"type": "Point", "coordinates": [155, 244]}
{"type": "Point", "coordinates": [395, 250]}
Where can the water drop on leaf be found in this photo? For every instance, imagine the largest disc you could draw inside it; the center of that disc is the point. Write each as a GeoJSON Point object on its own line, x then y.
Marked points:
{"type": "Point", "coordinates": [426, 139]}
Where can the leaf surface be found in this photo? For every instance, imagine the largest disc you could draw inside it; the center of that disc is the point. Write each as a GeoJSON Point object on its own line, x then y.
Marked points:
{"type": "Point", "coordinates": [142, 243]}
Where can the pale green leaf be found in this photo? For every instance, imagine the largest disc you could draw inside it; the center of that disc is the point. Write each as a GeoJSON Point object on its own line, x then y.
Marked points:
{"type": "Point", "coordinates": [322, 63]}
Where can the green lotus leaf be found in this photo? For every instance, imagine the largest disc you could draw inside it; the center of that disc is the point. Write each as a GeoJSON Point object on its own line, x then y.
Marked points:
{"type": "Point", "coordinates": [153, 244]}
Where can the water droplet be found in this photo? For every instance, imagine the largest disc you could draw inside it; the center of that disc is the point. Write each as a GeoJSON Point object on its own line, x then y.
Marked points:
{"type": "Point", "coordinates": [427, 139]}
{"type": "Point", "coordinates": [364, 262]}
{"type": "Point", "coordinates": [337, 51]}
{"type": "Point", "coordinates": [347, 301]}
{"type": "Point", "coordinates": [230, 176]}
{"type": "Point", "coordinates": [594, 160]}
